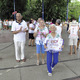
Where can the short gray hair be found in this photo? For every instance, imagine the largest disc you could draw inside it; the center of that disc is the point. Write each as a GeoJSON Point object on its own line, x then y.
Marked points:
{"type": "Point", "coordinates": [58, 21]}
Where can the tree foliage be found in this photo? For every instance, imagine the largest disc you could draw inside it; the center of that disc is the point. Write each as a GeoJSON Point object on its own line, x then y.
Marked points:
{"type": "Point", "coordinates": [74, 9]}
{"type": "Point", "coordinates": [7, 7]}
{"type": "Point", "coordinates": [33, 9]}
{"type": "Point", "coordinates": [52, 9]}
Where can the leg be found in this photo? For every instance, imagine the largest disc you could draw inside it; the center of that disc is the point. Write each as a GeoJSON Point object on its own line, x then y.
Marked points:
{"type": "Point", "coordinates": [43, 53]}
{"type": "Point", "coordinates": [55, 59]}
{"type": "Point", "coordinates": [43, 58]}
{"type": "Point", "coordinates": [38, 52]}
{"type": "Point", "coordinates": [71, 47]}
{"type": "Point", "coordinates": [75, 49]}
{"type": "Point", "coordinates": [32, 42]}
{"type": "Point", "coordinates": [29, 42]}
{"type": "Point", "coordinates": [49, 61]}
{"type": "Point", "coordinates": [22, 51]}
{"type": "Point", "coordinates": [78, 44]}
{"type": "Point", "coordinates": [17, 51]}
{"type": "Point", "coordinates": [71, 42]}
{"type": "Point", "coordinates": [75, 44]}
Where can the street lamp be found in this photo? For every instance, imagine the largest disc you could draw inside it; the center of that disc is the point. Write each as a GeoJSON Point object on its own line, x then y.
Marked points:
{"type": "Point", "coordinates": [67, 10]}
{"type": "Point", "coordinates": [42, 9]}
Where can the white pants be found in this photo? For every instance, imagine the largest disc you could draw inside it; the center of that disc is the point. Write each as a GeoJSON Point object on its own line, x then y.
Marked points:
{"type": "Point", "coordinates": [19, 45]}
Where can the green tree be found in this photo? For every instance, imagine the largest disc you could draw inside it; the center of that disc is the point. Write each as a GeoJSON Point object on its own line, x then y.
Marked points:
{"type": "Point", "coordinates": [7, 7]}
{"type": "Point", "coordinates": [55, 9]}
{"type": "Point", "coordinates": [74, 9]}
{"type": "Point", "coordinates": [52, 9]}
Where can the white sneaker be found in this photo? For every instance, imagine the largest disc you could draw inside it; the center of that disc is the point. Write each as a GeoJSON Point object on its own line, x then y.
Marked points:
{"type": "Point", "coordinates": [49, 74]}
{"type": "Point", "coordinates": [43, 62]}
{"type": "Point", "coordinates": [52, 68]}
{"type": "Point", "coordinates": [37, 63]}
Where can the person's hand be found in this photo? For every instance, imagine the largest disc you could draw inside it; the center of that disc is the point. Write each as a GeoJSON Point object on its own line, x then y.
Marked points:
{"type": "Point", "coordinates": [37, 30]}
{"type": "Point", "coordinates": [62, 46]}
{"type": "Point", "coordinates": [45, 46]}
{"type": "Point", "coordinates": [20, 29]}
{"type": "Point", "coordinates": [42, 34]}
{"type": "Point", "coordinates": [24, 30]}
{"type": "Point", "coordinates": [30, 28]}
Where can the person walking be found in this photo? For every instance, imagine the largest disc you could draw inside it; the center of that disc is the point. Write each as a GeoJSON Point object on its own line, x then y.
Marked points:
{"type": "Point", "coordinates": [19, 28]}
{"type": "Point", "coordinates": [53, 44]}
{"type": "Point", "coordinates": [31, 32]}
{"type": "Point", "coordinates": [73, 35]}
{"type": "Point", "coordinates": [40, 34]}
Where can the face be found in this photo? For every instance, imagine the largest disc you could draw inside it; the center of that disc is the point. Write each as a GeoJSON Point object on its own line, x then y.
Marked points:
{"type": "Point", "coordinates": [53, 29]}
{"type": "Point", "coordinates": [39, 20]}
{"type": "Point", "coordinates": [41, 23]}
{"type": "Point", "coordinates": [18, 16]}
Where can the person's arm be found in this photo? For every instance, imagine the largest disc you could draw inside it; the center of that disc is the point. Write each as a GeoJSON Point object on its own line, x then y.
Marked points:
{"type": "Point", "coordinates": [47, 32]}
{"type": "Point", "coordinates": [35, 34]}
{"type": "Point", "coordinates": [31, 28]}
{"type": "Point", "coordinates": [78, 30]}
{"type": "Point", "coordinates": [44, 34]}
{"type": "Point", "coordinates": [69, 29]}
{"type": "Point", "coordinates": [15, 32]}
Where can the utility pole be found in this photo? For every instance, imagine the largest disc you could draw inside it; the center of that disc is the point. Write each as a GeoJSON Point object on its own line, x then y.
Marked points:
{"type": "Point", "coordinates": [14, 10]}
{"type": "Point", "coordinates": [67, 11]}
{"type": "Point", "coordinates": [42, 9]}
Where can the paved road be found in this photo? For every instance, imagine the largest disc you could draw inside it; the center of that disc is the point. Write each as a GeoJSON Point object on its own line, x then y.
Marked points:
{"type": "Point", "coordinates": [68, 66]}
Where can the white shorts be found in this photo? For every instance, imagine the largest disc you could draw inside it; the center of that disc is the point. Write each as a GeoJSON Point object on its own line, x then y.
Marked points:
{"type": "Point", "coordinates": [73, 41]}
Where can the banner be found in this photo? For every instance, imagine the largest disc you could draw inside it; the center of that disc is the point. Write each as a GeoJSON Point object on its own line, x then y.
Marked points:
{"type": "Point", "coordinates": [73, 29]}
{"type": "Point", "coordinates": [54, 44]}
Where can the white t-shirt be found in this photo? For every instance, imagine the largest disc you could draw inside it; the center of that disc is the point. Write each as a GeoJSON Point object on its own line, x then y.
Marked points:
{"type": "Point", "coordinates": [10, 23]}
{"type": "Point", "coordinates": [40, 38]}
{"type": "Point", "coordinates": [31, 26]}
{"type": "Point", "coordinates": [59, 30]}
{"type": "Point", "coordinates": [21, 36]}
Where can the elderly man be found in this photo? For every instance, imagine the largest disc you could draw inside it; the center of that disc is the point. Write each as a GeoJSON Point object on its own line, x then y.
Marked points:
{"type": "Point", "coordinates": [19, 28]}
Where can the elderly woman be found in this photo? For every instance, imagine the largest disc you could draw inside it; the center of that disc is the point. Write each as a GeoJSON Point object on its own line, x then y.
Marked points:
{"type": "Point", "coordinates": [40, 34]}
{"type": "Point", "coordinates": [52, 47]}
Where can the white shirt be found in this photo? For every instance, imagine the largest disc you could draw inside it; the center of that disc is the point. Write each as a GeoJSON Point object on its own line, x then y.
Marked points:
{"type": "Point", "coordinates": [31, 26]}
{"type": "Point", "coordinates": [40, 38]}
{"type": "Point", "coordinates": [59, 30]}
{"type": "Point", "coordinates": [10, 23]}
{"type": "Point", "coordinates": [21, 36]}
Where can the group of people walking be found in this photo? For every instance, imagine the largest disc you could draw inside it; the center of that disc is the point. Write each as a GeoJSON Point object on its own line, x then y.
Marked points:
{"type": "Point", "coordinates": [46, 38]}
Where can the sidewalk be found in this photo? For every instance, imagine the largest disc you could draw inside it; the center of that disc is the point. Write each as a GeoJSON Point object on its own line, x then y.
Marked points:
{"type": "Point", "coordinates": [68, 67]}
